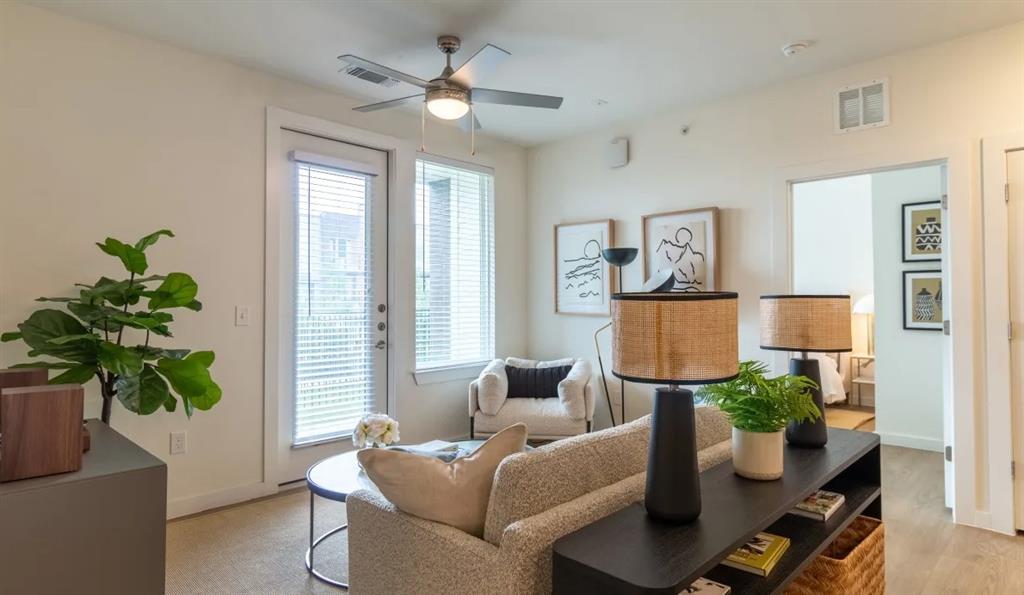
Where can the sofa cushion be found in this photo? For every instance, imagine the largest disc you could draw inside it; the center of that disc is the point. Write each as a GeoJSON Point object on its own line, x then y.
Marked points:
{"type": "Point", "coordinates": [454, 493]}
{"type": "Point", "coordinates": [492, 387]}
{"type": "Point", "coordinates": [543, 418]}
{"type": "Point", "coordinates": [536, 383]}
{"type": "Point", "coordinates": [530, 483]}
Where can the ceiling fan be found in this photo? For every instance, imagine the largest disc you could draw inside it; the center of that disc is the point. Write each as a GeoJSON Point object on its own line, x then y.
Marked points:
{"type": "Point", "coordinates": [451, 94]}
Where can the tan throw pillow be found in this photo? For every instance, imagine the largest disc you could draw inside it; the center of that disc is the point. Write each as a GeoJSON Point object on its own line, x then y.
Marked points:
{"type": "Point", "coordinates": [453, 493]}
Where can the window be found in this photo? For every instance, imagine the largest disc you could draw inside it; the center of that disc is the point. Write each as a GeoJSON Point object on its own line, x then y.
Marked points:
{"type": "Point", "coordinates": [454, 265]}
{"type": "Point", "coordinates": [333, 375]}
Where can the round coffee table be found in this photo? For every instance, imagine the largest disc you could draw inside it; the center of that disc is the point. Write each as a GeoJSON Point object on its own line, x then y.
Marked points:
{"type": "Point", "coordinates": [334, 478]}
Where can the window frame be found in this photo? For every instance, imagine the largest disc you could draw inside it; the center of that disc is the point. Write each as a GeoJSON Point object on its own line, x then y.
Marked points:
{"type": "Point", "coordinates": [462, 370]}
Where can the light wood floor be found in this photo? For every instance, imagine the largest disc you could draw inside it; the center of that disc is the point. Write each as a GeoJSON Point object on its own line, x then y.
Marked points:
{"type": "Point", "coordinates": [258, 547]}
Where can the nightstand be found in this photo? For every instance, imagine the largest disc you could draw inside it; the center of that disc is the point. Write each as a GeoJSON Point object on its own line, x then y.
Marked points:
{"type": "Point", "coordinates": [859, 362]}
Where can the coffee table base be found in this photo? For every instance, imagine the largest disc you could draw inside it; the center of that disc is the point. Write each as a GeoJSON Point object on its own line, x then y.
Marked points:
{"type": "Point", "coordinates": [313, 543]}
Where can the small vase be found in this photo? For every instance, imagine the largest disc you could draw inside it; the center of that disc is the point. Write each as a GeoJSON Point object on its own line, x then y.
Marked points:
{"type": "Point", "coordinates": [757, 455]}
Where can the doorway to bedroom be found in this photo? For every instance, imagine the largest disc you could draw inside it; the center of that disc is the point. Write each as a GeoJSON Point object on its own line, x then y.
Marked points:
{"type": "Point", "coordinates": [878, 237]}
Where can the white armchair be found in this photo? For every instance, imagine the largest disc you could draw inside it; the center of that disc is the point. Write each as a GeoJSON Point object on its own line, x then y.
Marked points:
{"type": "Point", "coordinates": [571, 414]}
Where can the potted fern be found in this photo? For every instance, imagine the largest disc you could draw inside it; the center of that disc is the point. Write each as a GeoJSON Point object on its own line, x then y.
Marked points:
{"type": "Point", "coordinates": [759, 409]}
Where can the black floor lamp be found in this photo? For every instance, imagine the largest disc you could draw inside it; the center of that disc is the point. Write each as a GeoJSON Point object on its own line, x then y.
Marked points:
{"type": "Point", "coordinates": [617, 257]}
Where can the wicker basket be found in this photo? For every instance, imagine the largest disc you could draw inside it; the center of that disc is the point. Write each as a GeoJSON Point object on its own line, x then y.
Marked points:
{"type": "Point", "coordinates": [853, 564]}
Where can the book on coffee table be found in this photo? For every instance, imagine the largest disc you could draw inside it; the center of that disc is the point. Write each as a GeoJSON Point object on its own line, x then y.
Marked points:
{"type": "Point", "coordinates": [703, 586]}
{"type": "Point", "coordinates": [759, 555]}
{"type": "Point", "coordinates": [820, 505]}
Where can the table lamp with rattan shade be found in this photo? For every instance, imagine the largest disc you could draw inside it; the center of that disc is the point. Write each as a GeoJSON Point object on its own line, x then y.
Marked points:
{"type": "Point", "coordinates": [674, 339]}
{"type": "Point", "coordinates": [806, 323]}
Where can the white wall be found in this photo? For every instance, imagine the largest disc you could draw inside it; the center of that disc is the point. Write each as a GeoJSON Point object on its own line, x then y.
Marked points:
{"type": "Point", "coordinates": [103, 133]}
{"type": "Point", "coordinates": [908, 362]}
{"type": "Point", "coordinates": [737, 156]}
{"type": "Point", "coordinates": [733, 156]}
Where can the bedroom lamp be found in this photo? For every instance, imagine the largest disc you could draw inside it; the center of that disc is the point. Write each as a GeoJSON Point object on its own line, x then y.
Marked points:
{"type": "Point", "coordinates": [674, 339]}
{"type": "Point", "coordinates": [805, 323]}
{"type": "Point", "coordinates": [866, 307]}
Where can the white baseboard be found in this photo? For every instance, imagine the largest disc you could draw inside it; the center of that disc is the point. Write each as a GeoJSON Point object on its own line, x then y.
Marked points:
{"type": "Point", "coordinates": [911, 441]}
{"type": "Point", "coordinates": [180, 507]}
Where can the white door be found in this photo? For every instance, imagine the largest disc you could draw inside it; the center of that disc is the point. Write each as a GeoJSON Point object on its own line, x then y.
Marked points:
{"type": "Point", "coordinates": [332, 338]}
{"type": "Point", "coordinates": [947, 354]}
{"type": "Point", "coordinates": [1015, 237]}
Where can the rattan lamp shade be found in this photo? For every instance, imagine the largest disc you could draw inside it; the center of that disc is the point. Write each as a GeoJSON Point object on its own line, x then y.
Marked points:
{"type": "Point", "coordinates": [806, 323]}
{"type": "Point", "coordinates": [675, 338]}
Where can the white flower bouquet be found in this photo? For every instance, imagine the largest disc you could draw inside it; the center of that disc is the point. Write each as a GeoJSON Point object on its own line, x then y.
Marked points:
{"type": "Point", "coordinates": [375, 429]}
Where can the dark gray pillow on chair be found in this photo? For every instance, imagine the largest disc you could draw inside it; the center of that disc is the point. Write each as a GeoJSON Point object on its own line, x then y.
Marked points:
{"type": "Point", "coordinates": [536, 383]}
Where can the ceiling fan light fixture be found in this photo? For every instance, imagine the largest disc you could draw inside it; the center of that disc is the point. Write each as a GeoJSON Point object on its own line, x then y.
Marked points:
{"type": "Point", "coordinates": [448, 103]}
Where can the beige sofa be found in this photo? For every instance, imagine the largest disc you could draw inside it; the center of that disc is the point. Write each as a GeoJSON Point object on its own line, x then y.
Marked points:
{"type": "Point", "coordinates": [536, 498]}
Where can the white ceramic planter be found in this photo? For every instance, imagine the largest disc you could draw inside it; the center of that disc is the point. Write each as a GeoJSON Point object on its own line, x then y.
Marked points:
{"type": "Point", "coordinates": [757, 455]}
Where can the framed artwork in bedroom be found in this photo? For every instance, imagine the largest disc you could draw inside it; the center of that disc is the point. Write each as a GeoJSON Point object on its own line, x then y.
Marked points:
{"type": "Point", "coordinates": [685, 242]}
{"type": "Point", "coordinates": [922, 300]}
{"type": "Point", "coordinates": [922, 231]}
{"type": "Point", "coordinates": [583, 280]}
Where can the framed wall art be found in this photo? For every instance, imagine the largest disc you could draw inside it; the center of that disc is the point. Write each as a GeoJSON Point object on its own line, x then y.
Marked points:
{"type": "Point", "coordinates": [685, 242]}
{"type": "Point", "coordinates": [922, 300]}
{"type": "Point", "coordinates": [922, 231]}
{"type": "Point", "coordinates": [583, 280]}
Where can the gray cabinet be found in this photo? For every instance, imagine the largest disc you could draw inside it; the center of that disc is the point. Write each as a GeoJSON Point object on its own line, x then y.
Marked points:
{"type": "Point", "coordinates": [99, 530]}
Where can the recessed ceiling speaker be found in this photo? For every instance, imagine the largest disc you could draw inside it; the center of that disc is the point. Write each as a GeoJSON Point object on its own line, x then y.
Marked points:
{"type": "Point", "coordinates": [617, 152]}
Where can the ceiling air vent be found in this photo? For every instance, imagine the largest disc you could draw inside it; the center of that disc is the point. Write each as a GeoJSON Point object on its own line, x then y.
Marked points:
{"type": "Point", "coordinates": [378, 79]}
{"type": "Point", "coordinates": [862, 106]}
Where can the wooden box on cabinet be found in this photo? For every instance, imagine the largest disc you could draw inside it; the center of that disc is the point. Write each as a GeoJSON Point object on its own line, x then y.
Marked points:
{"type": "Point", "coordinates": [40, 430]}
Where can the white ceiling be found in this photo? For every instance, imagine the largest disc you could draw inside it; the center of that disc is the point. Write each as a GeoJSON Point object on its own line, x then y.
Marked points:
{"type": "Point", "coordinates": [639, 56]}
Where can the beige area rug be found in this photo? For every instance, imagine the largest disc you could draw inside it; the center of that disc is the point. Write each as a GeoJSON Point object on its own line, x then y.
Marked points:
{"type": "Point", "coordinates": [847, 418]}
{"type": "Point", "coordinates": [258, 547]}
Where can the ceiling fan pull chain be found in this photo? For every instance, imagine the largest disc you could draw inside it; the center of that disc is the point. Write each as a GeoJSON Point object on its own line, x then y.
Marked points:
{"type": "Point", "coordinates": [423, 126]}
{"type": "Point", "coordinates": [472, 131]}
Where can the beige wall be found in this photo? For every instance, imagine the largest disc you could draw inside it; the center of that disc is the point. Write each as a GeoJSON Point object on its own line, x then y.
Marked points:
{"type": "Point", "coordinates": [103, 133]}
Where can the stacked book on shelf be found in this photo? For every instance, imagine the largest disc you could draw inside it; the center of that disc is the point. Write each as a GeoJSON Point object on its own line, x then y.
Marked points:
{"type": "Point", "coordinates": [759, 555]}
{"type": "Point", "coordinates": [820, 505]}
{"type": "Point", "coordinates": [703, 586]}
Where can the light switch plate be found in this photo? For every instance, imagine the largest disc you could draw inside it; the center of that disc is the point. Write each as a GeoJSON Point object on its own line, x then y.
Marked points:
{"type": "Point", "coordinates": [241, 315]}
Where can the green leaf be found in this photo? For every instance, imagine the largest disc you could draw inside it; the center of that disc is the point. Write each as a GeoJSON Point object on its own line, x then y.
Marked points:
{"type": "Point", "coordinates": [133, 259]}
{"type": "Point", "coordinates": [79, 374]}
{"type": "Point", "coordinates": [194, 305]}
{"type": "Point", "coordinates": [151, 239]}
{"type": "Point", "coordinates": [188, 377]}
{"type": "Point", "coordinates": [122, 361]}
{"type": "Point", "coordinates": [171, 403]}
{"type": "Point", "coordinates": [143, 393]}
{"type": "Point", "coordinates": [152, 353]}
{"type": "Point", "coordinates": [146, 321]}
{"type": "Point", "coordinates": [177, 290]}
{"type": "Point", "coordinates": [44, 325]}
{"type": "Point", "coordinates": [72, 338]}
{"type": "Point", "coordinates": [10, 336]}
{"type": "Point", "coordinates": [99, 316]}
{"type": "Point", "coordinates": [210, 398]}
{"type": "Point", "coordinates": [47, 365]}
{"type": "Point", "coordinates": [203, 357]}
{"type": "Point", "coordinates": [56, 299]}
{"type": "Point", "coordinates": [118, 293]}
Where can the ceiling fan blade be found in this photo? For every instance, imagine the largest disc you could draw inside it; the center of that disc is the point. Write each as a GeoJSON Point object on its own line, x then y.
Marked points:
{"type": "Point", "coordinates": [386, 104]}
{"type": "Point", "coordinates": [482, 63]}
{"type": "Point", "coordinates": [512, 98]}
{"type": "Point", "coordinates": [464, 123]}
{"type": "Point", "coordinates": [383, 70]}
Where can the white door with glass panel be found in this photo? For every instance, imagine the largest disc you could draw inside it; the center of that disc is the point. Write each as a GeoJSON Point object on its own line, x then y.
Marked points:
{"type": "Point", "coordinates": [333, 340]}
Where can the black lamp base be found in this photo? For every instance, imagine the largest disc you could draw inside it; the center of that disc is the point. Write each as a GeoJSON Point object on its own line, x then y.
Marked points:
{"type": "Point", "coordinates": [673, 480]}
{"type": "Point", "coordinates": [809, 434]}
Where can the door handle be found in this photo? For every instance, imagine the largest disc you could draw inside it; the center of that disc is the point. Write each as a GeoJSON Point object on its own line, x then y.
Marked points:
{"type": "Point", "coordinates": [382, 344]}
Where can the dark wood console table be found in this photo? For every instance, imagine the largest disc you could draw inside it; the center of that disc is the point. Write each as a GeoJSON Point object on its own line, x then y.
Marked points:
{"type": "Point", "coordinates": [627, 553]}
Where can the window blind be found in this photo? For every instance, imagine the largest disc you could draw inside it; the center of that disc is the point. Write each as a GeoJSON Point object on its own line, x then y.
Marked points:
{"type": "Point", "coordinates": [454, 265]}
{"type": "Point", "coordinates": [334, 355]}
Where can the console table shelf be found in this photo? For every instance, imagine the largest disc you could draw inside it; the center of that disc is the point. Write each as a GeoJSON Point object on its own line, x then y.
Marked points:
{"type": "Point", "coordinates": [628, 553]}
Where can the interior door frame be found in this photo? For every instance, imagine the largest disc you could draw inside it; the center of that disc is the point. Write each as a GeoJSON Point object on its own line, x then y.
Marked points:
{"type": "Point", "coordinates": [401, 172]}
{"type": "Point", "coordinates": [999, 424]}
{"type": "Point", "coordinates": [962, 161]}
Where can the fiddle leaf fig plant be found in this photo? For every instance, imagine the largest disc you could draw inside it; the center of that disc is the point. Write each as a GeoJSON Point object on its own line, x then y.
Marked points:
{"type": "Point", "coordinates": [92, 338]}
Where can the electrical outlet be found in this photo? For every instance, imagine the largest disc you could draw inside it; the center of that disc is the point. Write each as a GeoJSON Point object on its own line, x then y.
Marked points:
{"type": "Point", "coordinates": [241, 315]}
{"type": "Point", "coordinates": [179, 443]}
